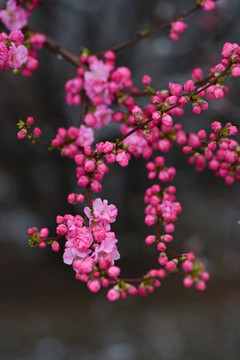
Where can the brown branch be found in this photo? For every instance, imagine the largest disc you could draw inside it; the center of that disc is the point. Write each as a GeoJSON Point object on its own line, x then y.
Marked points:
{"type": "Point", "coordinates": [174, 254]}
{"type": "Point", "coordinates": [88, 196]}
{"type": "Point", "coordinates": [59, 49]}
{"type": "Point", "coordinates": [138, 127]}
{"type": "Point", "coordinates": [58, 237]}
{"type": "Point", "coordinates": [42, 142]}
{"type": "Point", "coordinates": [158, 230]}
{"type": "Point", "coordinates": [131, 280]}
{"type": "Point", "coordinates": [143, 35]}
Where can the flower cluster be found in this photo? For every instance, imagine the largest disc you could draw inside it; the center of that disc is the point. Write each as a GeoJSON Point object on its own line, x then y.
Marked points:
{"type": "Point", "coordinates": [161, 207]}
{"type": "Point", "coordinates": [219, 153]}
{"type": "Point", "coordinates": [33, 42]}
{"type": "Point", "coordinates": [26, 131]}
{"type": "Point", "coordinates": [96, 240]}
{"type": "Point", "coordinates": [150, 131]}
{"type": "Point", "coordinates": [195, 273]}
{"type": "Point", "coordinates": [177, 27]}
{"type": "Point", "coordinates": [15, 16]}
{"type": "Point", "coordinates": [40, 238]}
{"type": "Point", "coordinates": [208, 5]}
{"type": "Point", "coordinates": [13, 53]}
{"type": "Point", "coordinates": [72, 141]}
{"type": "Point", "coordinates": [101, 83]}
{"type": "Point", "coordinates": [96, 274]}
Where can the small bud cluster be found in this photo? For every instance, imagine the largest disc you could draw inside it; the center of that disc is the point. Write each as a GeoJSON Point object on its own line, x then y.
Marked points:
{"type": "Point", "coordinates": [40, 239]}
{"type": "Point", "coordinates": [96, 274]}
{"type": "Point", "coordinates": [177, 27]}
{"type": "Point", "coordinates": [195, 273]}
{"type": "Point", "coordinates": [26, 131]}
{"type": "Point", "coordinates": [71, 141]}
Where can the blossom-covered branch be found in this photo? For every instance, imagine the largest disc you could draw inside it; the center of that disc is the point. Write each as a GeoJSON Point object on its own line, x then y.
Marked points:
{"type": "Point", "coordinates": [90, 245]}
{"type": "Point", "coordinates": [207, 5]}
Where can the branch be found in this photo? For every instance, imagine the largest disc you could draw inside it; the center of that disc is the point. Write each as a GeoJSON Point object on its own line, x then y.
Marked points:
{"type": "Point", "coordinates": [89, 196]}
{"type": "Point", "coordinates": [131, 280]}
{"type": "Point", "coordinates": [42, 143]}
{"type": "Point", "coordinates": [58, 49]}
{"type": "Point", "coordinates": [142, 35]}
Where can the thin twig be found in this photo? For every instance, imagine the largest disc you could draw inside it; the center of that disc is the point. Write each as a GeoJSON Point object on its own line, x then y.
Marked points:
{"type": "Point", "coordinates": [89, 196]}
{"type": "Point", "coordinates": [174, 254]}
{"type": "Point", "coordinates": [59, 49]}
{"type": "Point", "coordinates": [42, 142]}
{"type": "Point", "coordinates": [143, 35]}
{"type": "Point", "coordinates": [131, 280]}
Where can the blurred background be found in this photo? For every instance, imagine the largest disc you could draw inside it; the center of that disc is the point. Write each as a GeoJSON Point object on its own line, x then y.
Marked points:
{"type": "Point", "coordinates": [45, 313]}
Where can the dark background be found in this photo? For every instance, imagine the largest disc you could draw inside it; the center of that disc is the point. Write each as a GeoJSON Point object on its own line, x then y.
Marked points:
{"type": "Point", "coordinates": [45, 313]}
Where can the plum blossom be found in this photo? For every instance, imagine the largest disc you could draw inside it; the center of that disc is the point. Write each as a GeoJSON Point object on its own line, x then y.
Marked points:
{"type": "Point", "coordinates": [85, 136]}
{"type": "Point", "coordinates": [107, 247]}
{"type": "Point", "coordinates": [102, 214]}
{"type": "Point", "coordinates": [103, 116]}
{"type": "Point", "coordinates": [17, 56]}
{"type": "Point", "coordinates": [79, 241]}
{"type": "Point", "coordinates": [137, 140]}
{"type": "Point", "coordinates": [95, 81]}
{"type": "Point", "coordinates": [14, 16]}
{"type": "Point", "coordinates": [170, 210]}
{"type": "Point", "coordinates": [3, 53]}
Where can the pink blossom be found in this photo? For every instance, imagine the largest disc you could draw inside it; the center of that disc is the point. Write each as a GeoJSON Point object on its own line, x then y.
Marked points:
{"type": "Point", "coordinates": [208, 5]}
{"type": "Point", "coordinates": [70, 253]}
{"type": "Point", "coordinates": [107, 247]}
{"type": "Point", "coordinates": [83, 240]}
{"type": "Point", "coordinates": [102, 215]}
{"type": "Point", "coordinates": [236, 70]}
{"type": "Point", "coordinates": [94, 286]}
{"type": "Point", "coordinates": [169, 210]}
{"type": "Point", "coordinates": [3, 53]}
{"type": "Point", "coordinates": [146, 80]}
{"type": "Point", "coordinates": [189, 86]}
{"type": "Point", "coordinates": [55, 246]}
{"type": "Point", "coordinates": [85, 136]}
{"type": "Point", "coordinates": [96, 81]}
{"type": "Point", "coordinates": [14, 16]}
{"type": "Point", "coordinates": [113, 295]}
{"type": "Point", "coordinates": [178, 26]}
{"type": "Point", "coordinates": [175, 89]}
{"type": "Point", "coordinates": [16, 36]}
{"type": "Point", "coordinates": [38, 40]}
{"type": "Point", "coordinates": [122, 159]}
{"type": "Point", "coordinates": [197, 74]}
{"type": "Point", "coordinates": [102, 116]}
{"type": "Point", "coordinates": [17, 56]}
{"type": "Point", "coordinates": [114, 271]}
{"type": "Point", "coordinates": [79, 241]}
{"type": "Point", "coordinates": [122, 76]}
{"type": "Point", "coordinates": [137, 140]}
